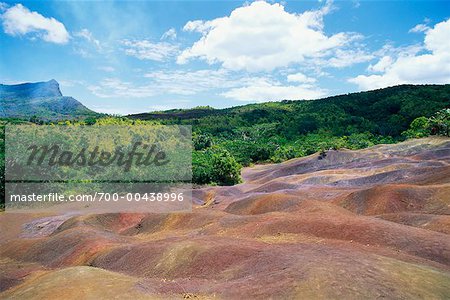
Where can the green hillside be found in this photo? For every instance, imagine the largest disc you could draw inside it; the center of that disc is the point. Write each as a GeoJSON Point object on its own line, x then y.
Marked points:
{"type": "Point", "coordinates": [277, 131]}
{"type": "Point", "coordinates": [386, 111]}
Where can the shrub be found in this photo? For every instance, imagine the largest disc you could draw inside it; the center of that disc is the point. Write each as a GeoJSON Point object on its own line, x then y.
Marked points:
{"type": "Point", "coordinates": [440, 122]}
{"type": "Point", "coordinates": [202, 171]}
{"type": "Point", "coordinates": [359, 141]}
{"type": "Point", "coordinates": [418, 128]}
{"type": "Point", "coordinates": [201, 141]}
{"type": "Point", "coordinates": [225, 168]}
{"type": "Point", "coordinates": [215, 166]}
{"type": "Point", "coordinates": [283, 153]}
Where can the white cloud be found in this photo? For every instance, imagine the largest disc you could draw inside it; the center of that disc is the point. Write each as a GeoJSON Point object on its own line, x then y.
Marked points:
{"type": "Point", "coordinates": [170, 34]}
{"type": "Point", "coordinates": [19, 20]}
{"type": "Point", "coordinates": [233, 85]}
{"type": "Point", "coordinates": [192, 82]}
{"type": "Point", "coordinates": [82, 52]}
{"type": "Point", "coordinates": [262, 37]}
{"type": "Point", "coordinates": [106, 68]}
{"type": "Point", "coordinates": [147, 50]}
{"type": "Point", "coordinates": [381, 65]}
{"type": "Point", "coordinates": [219, 82]}
{"type": "Point", "coordinates": [432, 65]}
{"type": "Point", "coordinates": [346, 58]}
{"type": "Point", "coordinates": [173, 82]}
{"type": "Point", "coordinates": [300, 78]}
{"type": "Point", "coordinates": [88, 36]}
{"type": "Point", "coordinates": [419, 28]}
{"type": "Point", "coordinates": [86, 45]}
{"type": "Point", "coordinates": [118, 110]}
{"type": "Point", "coordinates": [114, 87]}
{"type": "Point", "coordinates": [199, 26]}
{"type": "Point", "coordinates": [70, 82]}
{"type": "Point", "coordinates": [113, 110]}
{"type": "Point", "coordinates": [437, 39]}
{"type": "Point", "coordinates": [263, 89]}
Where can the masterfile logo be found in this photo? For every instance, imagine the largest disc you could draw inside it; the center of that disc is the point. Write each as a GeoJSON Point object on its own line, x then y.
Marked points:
{"type": "Point", "coordinates": [144, 167]}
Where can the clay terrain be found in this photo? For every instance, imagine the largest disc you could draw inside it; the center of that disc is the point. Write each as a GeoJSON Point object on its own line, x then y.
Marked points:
{"type": "Point", "coordinates": [367, 224]}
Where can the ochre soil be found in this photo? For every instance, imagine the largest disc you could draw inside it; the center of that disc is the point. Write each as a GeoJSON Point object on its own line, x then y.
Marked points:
{"type": "Point", "coordinates": [365, 224]}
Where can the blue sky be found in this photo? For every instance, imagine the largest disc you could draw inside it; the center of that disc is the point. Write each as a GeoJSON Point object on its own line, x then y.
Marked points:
{"type": "Point", "coordinates": [136, 56]}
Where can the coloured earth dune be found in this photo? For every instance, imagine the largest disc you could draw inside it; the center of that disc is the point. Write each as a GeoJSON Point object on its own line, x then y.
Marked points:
{"type": "Point", "coordinates": [366, 224]}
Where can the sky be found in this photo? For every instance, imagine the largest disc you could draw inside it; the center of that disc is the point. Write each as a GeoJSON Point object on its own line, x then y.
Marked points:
{"type": "Point", "coordinates": [124, 57]}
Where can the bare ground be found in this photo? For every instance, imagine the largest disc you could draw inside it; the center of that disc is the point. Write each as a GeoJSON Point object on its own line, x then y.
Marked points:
{"type": "Point", "coordinates": [365, 224]}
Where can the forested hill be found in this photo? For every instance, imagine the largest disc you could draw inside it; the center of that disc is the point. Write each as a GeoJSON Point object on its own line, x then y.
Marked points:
{"type": "Point", "coordinates": [386, 112]}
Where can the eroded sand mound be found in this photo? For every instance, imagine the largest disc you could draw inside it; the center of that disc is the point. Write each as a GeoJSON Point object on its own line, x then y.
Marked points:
{"type": "Point", "coordinates": [365, 224]}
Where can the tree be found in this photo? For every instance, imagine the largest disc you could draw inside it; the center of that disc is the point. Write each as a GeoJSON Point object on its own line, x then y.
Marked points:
{"type": "Point", "coordinates": [418, 128]}
{"type": "Point", "coordinates": [226, 169]}
{"type": "Point", "coordinates": [202, 170]}
{"type": "Point", "coordinates": [440, 122]}
{"type": "Point", "coordinates": [201, 141]}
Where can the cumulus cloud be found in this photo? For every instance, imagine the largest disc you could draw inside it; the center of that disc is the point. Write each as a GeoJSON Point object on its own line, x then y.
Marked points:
{"type": "Point", "coordinates": [19, 20]}
{"type": "Point", "coordinates": [263, 36]}
{"type": "Point", "coordinates": [264, 89]}
{"type": "Point", "coordinates": [431, 65]}
{"type": "Point", "coordinates": [381, 65]}
{"type": "Point", "coordinates": [147, 50]}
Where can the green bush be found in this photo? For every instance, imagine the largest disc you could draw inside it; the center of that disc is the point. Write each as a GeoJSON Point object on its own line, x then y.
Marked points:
{"type": "Point", "coordinates": [440, 122]}
{"type": "Point", "coordinates": [249, 151]}
{"type": "Point", "coordinates": [216, 166]}
{"type": "Point", "coordinates": [283, 153]}
{"type": "Point", "coordinates": [202, 170]}
{"type": "Point", "coordinates": [418, 128]}
{"type": "Point", "coordinates": [225, 168]}
{"type": "Point", "coordinates": [359, 141]}
{"type": "Point", "coordinates": [201, 141]}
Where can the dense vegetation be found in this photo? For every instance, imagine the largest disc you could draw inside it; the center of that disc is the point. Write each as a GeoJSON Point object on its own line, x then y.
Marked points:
{"type": "Point", "coordinates": [225, 140]}
{"type": "Point", "coordinates": [277, 131]}
{"type": "Point", "coordinates": [438, 124]}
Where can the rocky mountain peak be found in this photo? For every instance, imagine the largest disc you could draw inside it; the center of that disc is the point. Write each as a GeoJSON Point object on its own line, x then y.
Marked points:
{"type": "Point", "coordinates": [31, 90]}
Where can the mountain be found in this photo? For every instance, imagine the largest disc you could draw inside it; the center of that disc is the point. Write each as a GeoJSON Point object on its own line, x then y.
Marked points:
{"type": "Point", "coordinates": [31, 90]}
{"type": "Point", "coordinates": [387, 111]}
{"type": "Point", "coordinates": [41, 99]}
